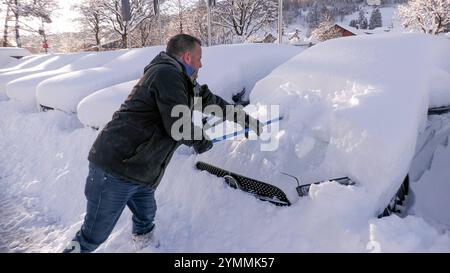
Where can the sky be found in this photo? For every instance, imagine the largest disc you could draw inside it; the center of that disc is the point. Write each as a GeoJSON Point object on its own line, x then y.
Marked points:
{"type": "Point", "coordinates": [63, 19]}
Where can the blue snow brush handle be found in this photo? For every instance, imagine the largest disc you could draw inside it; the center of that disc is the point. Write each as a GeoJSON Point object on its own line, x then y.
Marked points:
{"type": "Point", "coordinates": [246, 130]}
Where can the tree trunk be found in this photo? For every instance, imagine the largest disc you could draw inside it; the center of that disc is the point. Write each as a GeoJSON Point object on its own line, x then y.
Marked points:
{"type": "Point", "coordinates": [5, 31]}
{"type": "Point", "coordinates": [97, 31]}
{"type": "Point", "coordinates": [18, 41]}
{"type": "Point", "coordinates": [125, 40]}
{"type": "Point", "coordinates": [97, 38]}
{"type": "Point", "coordinates": [45, 37]}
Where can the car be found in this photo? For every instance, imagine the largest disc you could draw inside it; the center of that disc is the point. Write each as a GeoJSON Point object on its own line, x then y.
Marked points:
{"type": "Point", "coordinates": [348, 98]}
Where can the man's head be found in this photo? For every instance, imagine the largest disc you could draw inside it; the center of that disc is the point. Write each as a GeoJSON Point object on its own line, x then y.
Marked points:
{"type": "Point", "coordinates": [187, 49]}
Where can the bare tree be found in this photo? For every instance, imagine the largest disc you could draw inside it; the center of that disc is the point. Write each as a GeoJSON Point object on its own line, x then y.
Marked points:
{"type": "Point", "coordinates": [178, 10]}
{"type": "Point", "coordinates": [144, 34]}
{"type": "Point", "coordinates": [197, 21]}
{"type": "Point", "coordinates": [245, 17]}
{"type": "Point", "coordinates": [326, 29]}
{"type": "Point", "coordinates": [112, 10]}
{"type": "Point", "coordinates": [41, 10]}
{"type": "Point", "coordinates": [15, 8]}
{"type": "Point", "coordinates": [431, 16]}
{"type": "Point", "coordinates": [6, 26]}
{"type": "Point", "coordinates": [91, 18]}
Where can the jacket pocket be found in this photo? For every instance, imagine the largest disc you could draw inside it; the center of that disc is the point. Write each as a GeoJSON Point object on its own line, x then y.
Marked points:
{"type": "Point", "coordinates": [141, 150]}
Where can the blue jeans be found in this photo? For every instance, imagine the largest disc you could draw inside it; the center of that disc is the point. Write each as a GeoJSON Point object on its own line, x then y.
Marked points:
{"type": "Point", "coordinates": [107, 196]}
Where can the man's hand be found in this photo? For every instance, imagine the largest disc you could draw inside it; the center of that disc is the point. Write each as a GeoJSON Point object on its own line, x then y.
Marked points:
{"type": "Point", "coordinates": [247, 121]}
{"type": "Point", "coordinates": [254, 124]}
{"type": "Point", "coordinates": [202, 146]}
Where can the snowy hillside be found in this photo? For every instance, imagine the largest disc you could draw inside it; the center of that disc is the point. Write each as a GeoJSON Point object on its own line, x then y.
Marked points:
{"type": "Point", "coordinates": [345, 114]}
{"type": "Point", "coordinates": [389, 16]}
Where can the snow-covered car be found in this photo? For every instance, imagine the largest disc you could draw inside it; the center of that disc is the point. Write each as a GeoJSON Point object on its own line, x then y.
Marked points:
{"type": "Point", "coordinates": [243, 66]}
{"type": "Point", "coordinates": [51, 62]}
{"type": "Point", "coordinates": [9, 54]}
{"type": "Point", "coordinates": [352, 107]}
{"type": "Point", "coordinates": [24, 88]}
{"type": "Point", "coordinates": [65, 91]}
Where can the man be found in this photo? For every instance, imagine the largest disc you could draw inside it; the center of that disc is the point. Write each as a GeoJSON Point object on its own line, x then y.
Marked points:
{"type": "Point", "coordinates": [130, 155]}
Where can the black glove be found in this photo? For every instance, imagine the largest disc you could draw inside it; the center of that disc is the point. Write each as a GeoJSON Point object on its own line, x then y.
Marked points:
{"type": "Point", "coordinates": [202, 146]}
{"type": "Point", "coordinates": [249, 122]}
{"type": "Point", "coordinates": [254, 124]}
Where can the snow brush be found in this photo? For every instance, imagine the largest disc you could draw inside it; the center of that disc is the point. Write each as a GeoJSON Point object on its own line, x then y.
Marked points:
{"type": "Point", "coordinates": [262, 190]}
{"type": "Point", "coordinates": [243, 131]}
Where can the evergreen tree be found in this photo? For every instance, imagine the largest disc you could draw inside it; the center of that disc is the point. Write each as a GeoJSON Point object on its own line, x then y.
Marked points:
{"type": "Point", "coordinates": [314, 15]}
{"type": "Point", "coordinates": [375, 19]}
{"type": "Point", "coordinates": [362, 20]}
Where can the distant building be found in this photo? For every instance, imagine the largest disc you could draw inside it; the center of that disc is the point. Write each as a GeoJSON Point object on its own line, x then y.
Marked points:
{"type": "Point", "coordinates": [269, 39]}
{"type": "Point", "coordinates": [345, 31]}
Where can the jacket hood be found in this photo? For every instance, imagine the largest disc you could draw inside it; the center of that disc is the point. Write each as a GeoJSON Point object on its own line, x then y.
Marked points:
{"type": "Point", "coordinates": [164, 58]}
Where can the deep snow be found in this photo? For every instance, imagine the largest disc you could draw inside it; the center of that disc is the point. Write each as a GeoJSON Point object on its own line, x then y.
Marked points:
{"type": "Point", "coordinates": [343, 103]}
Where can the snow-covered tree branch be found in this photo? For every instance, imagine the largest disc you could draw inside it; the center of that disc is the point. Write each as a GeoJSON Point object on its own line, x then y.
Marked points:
{"type": "Point", "coordinates": [430, 16]}
{"type": "Point", "coordinates": [245, 17]}
{"type": "Point", "coordinates": [112, 11]}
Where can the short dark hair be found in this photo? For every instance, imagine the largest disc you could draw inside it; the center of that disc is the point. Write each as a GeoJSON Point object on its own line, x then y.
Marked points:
{"type": "Point", "coordinates": [181, 43]}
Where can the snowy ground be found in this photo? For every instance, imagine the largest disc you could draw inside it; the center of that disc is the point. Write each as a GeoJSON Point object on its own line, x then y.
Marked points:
{"type": "Point", "coordinates": [343, 103]}
{"type": "Point", "coordinates": [43, 204]}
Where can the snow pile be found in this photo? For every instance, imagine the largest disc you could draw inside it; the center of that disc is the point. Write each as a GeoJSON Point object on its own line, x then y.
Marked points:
{"type": "Point", "coordinates": [65, 91]}
{"type": "Point", "coordinates": [50, 62]}
{"type": "Point", "coordinates": [226, 69]}
{"type": "Point", "coordinates": [24, 88]}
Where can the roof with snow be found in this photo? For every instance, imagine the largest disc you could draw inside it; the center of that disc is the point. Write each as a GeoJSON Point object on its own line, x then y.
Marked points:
{"type": "Point", "coordinates": [350, 29]}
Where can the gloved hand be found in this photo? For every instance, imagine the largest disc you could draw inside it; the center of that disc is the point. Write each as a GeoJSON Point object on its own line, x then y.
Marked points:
{"type": "Point", "coordinates": [254, 124]}
{"type": "Point", "coordinates": [247, 121]}
{"type": "Point", "coordinates": [202, 146]}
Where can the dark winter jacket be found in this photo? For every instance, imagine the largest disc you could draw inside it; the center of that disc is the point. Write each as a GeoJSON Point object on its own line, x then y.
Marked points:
{"type": "Point", "coordinates": [136, 144]}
